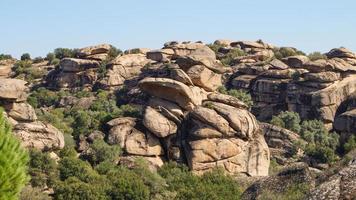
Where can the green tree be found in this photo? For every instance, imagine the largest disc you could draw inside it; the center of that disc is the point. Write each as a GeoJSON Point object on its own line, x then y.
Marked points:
{"type": "Point", "coordinates": [25, 56]}
{"type": "Point", "coordinates": [316, 56]}
{"type": "Point", "coordinates": [5, 56]}
{"type": "Point", "coordinates": [43, 169]}
{"type": "Point", "coordinates": [288, 120]}
{"type": "Point", "coordinates": [100, 151]}
{"type": "Point", "coordinates": [13, 163]}
{"type": "Point", "coordinates": [239, 94]}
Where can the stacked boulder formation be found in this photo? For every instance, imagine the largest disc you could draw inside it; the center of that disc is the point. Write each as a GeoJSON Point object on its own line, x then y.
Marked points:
{"type": "Point", "coordinates": [79, 72]}
{"type": "Point", "coordinates": [187, 121]}
{"type": "Point", "coordinates": [314, 89]}
{"type": "Point", "coordinates": [22, 116]}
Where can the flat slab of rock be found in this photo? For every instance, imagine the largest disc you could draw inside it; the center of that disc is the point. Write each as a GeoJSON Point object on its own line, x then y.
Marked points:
{"type": "Point", "coordinates": [92, 50]}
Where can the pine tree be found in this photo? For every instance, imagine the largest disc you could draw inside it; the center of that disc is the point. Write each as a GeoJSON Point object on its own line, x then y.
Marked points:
{"type": "Point", "coordinates": [13, 163]}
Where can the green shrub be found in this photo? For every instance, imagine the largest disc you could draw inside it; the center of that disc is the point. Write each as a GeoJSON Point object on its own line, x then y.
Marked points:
{"type": "Point", "coordinates": [321, 145]}
{"type": "Point", "coordinates": [61, 53]}
{"type": "Point", "coordinates": [153, 180]}
{"type": "Point", "coordinates": [316, 56]}
{"type": "Point", "coordinates": [33, 193]}
{"type": "Point", "coordinates": [43, 97]}
{"type": "Point", "coordinates": [293, 192]}
{"type": "Point", "coordinates": [13, 163]}
{"type": "Point", "coordinates": [75, 167]}
{"type": "Point", "coordinates": [350, 144]}
{"type": "Point", "coordinates": [5, 56]}
{"type": "Point", "coordinates": [215, 47]}
{"type": "Point", "coordinates": [212, 185]}
{"type": "Point", "coordinates": [55, 62]}
{"type": "Point", "coordinates": [58, 118]}
{"type": "Point", "coordinates": [284, 52]}
{"type": "Point", "coordinates": [229, 58]}
{"type": "Point", "coordinates": [25, 56]}
{"type": "Point", "coordinates": [24, 69]}
{"type": "Point", "coordinates": [50, 57]}
{"type": "Point", "coordinates": [43, 169]}
{"type": "Point", "coordinates": [239, 94]}
{"type": "Point", "coordinates": [38, 59]}
{"type": "Point", "coordinates": [127, 185]}
{"type": "Point", "coordinates": [113, 53]}
{"type": "Point", "coordinates": [288, 120]}
{"type": "Point", "coordinates": [75, 189]}
{"type": "Point", "coordinates": [68, 151]}
{"type": "Point", "coordinates": [100, 151]}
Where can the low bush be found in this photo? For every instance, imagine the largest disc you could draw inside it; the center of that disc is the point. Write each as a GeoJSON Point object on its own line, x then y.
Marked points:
{"type": "Point", "coordinates": [288, 120]}
{"type": "Point", "coordinates": [316, 56]}
{"type": "Point", "coordinates": [229, 58]}
{"type": "Point", "coordinates": [239, 94]}
{"type": "Point", "coordinates": [25, 56]}
{"type": "Point", "coordinates": [284, 52]}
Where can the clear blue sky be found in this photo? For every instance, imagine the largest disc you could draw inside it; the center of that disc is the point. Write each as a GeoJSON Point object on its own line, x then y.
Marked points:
{"type": "Point", "coordinates": [39, 26]}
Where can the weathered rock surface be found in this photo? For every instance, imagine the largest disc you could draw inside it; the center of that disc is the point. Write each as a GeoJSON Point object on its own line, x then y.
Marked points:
{"type": "Point", "coordinates": [13, 89]}
{"type": "Point", "coordinates": [171, 90]}
{"type": "Point", "coordinates": [123, 68]}
{"type": "Point", "coordinates": [124, 132]}
{"type": "Point", "coordinates": [296, 174]}
{"type": "Point", "coordinates": [204, 77]}
{"type": "Point", "coordinates": [5, 67]}
{"type": "Point", "coordinates": [341, 185]}
{"type": "Point", "coordinates": [281, 142]}
{"type": "Point", "coordinates": [158, 124]}
{"type": "Point", "coordinates": [93, 50]}
{"type": "Point", "coordinates": [39, 135]}
{"type": "Point", "coordinates": [21, 112]}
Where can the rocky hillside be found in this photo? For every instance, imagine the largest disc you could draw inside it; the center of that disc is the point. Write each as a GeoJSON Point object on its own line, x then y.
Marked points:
{"type": "Point", "coordinates": [270, 118]}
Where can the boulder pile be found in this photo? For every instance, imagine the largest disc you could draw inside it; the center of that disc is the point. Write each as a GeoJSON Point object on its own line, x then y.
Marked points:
{"type": "Point", "coordinates": [313, 88]}
{"type": "Point", "coordinates": [82, 71]}
{"type": "Point", "coordinates": [22, 116]}
{"type": "Point", "coordinates": [185, 120]}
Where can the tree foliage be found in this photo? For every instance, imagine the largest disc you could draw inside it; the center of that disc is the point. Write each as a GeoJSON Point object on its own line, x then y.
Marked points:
{"type": "Point", "coordinates": [13, 163]}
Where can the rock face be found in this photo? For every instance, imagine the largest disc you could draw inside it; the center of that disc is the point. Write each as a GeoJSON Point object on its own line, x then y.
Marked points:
{"type": "Point", "coordinates": [208, 129]}
{"type": "Point", "coordinates": [135, 143]}
{"type": "Point", "coordinates": [13, 89]}
{"type": "Point", "coordinates": [123, 68]}
{"type": "Point", "coordinates": [341, 185]}
{"type": "Point", "coordinates": [39, 135]}
{"type": "Point", "coordinates": [314, 89]}
{"type": "Point", "coordinates": [281, 142]}
{"type": "Point", "coordinates": [5, 67]}
{"type": "Point", "coordinates": [296, 174]}
{"type": "Point", "coordinates": [171, 90]}
{"type": "Point", "coordinates": [22, 117]}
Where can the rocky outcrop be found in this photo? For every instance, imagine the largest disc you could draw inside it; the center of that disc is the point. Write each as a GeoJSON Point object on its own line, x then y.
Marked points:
{"type": "Point", "coordinates": [13, 89]}
{"type": "Point", "coordinates": [39, 135]}
{"type": "Point", "coordinates": [314, 89]}
{"type": "Point", "coordinates": [5, 67]}
{"type": "Point", "coordinates": [341, 185]}
{"type": "Point", "coordinates": [135, 141]}
{"type": "Point", "coordinates": [22, 117]}
{"type": "Point", "coordinates": [281, 143]}
{"type": "Point", "coordinates": [185, 96]}
{"type": "Point", "coordinates": [294, 175]}
{"type": "Point", "coordinates": [123, 68]}
{"type": "Point", "coordinates": [97, 52]}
